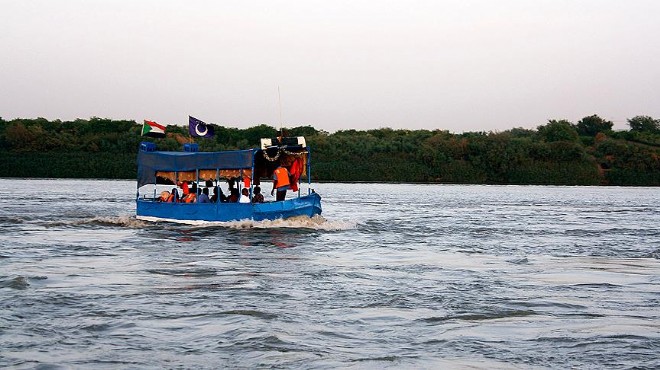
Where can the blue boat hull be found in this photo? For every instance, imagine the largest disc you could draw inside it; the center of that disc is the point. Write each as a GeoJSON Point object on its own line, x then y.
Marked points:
{"type": "Point", "coordinates": [308, 205]}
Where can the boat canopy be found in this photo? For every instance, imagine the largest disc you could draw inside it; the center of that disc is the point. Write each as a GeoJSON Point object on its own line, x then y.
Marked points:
{"type": "Point", "coordinates": [150, 162]}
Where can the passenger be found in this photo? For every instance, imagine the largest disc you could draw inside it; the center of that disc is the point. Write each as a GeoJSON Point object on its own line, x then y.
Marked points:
{"type": "Point", "coordinates": [193, 188]}
{"type": "Point", "coordinates": [173, 196]}
{"type": "Point", "coordinates": [218, 195]}
{"type": "Point", "coordinates": [280, 182]}
{"type": "Point", "coordinates": [184, 187]}
{"type": "Point", "coordinates": [190, 198]}
{"type": "Point", "coordinates": [233, 198]}
{"type": "Point", "coordinates": [245, 196]}
{"type": "Point", "coordinates": [257, 197]}
{"type": "Point", "coordinates": [164, 196]}
{"type": "Point", "coordinates": [204, 197]}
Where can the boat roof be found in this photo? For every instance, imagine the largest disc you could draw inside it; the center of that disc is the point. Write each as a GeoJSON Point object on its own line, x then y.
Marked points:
{"type": "Point", "coordinates": [151, 161]}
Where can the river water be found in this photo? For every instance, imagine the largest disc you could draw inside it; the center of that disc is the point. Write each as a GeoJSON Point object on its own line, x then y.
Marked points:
{"type": "Point", "coordinates": [392, 276]}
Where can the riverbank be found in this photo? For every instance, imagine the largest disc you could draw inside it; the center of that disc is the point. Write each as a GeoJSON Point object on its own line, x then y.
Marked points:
{"type": "Point", "coordinates": [558, 153]}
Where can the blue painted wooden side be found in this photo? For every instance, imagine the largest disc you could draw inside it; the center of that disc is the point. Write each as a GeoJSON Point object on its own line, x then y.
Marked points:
{"type": "Point", "coordinates": [308, 205]}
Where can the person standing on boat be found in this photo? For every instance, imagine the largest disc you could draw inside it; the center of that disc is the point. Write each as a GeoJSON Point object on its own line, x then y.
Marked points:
{"type": "Point", "coordinates": [280, 182]}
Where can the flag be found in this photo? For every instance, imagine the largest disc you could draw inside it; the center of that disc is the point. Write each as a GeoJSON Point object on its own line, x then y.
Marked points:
{"type": "Point", "coordinates": [153, 129]}
{"type": "Point", "coordinates": [198, 128]}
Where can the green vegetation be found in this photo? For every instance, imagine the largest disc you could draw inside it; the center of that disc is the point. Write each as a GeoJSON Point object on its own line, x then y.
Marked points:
{"type": "Point", "coordinates": [558, 152]}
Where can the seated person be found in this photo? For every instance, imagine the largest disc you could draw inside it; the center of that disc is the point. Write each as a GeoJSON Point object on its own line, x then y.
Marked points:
{"type": "Point", "coordinates": [245, 196]}
{"type": "Point", "coordinates": [233, 198]}
{"type": "Point", "coordinates": [174, 195]}
{"type": "Point", "coordinates": [257, 197]}
{"type": "Point", "coordinates": [190, 198]}
{"type": "Point", "coordinates": [184, 187]}
{"type": "Point", "coordinates": [164, 196]}
{"type": "Point", "coordinates": [204, 197]}
{"type": "Point", "coordinates": [218, 195]}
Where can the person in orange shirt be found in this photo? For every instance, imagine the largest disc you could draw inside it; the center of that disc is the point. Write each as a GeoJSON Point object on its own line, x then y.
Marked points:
{"type": "Point", "coordinates": [281, 182]}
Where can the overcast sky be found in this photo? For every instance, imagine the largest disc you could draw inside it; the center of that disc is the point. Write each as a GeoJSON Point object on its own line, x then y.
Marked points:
{"type": "Point", "coordinates": [459, 65]}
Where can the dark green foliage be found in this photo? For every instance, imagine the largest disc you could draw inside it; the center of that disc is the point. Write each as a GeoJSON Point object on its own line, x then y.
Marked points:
{"type": "Point", "coordinates": [561, 130]}
{"type": "Point", "coordinates": [555, 173]}
{"type": "Point", "coordinates": [626, 163]}
{"type": "Point", "coordinates": [591, 125]}
{"type": "Point", "coordinates": [304, 131]}
{"type": "Point", "coordinates": [68, 165]}
{"type": "Point", "coordinates": [644, 124]}
{"type": "Point", "coordinates": [553, 154]}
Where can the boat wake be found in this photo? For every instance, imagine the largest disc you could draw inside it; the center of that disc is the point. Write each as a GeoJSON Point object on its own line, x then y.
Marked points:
{"type": "Point", "coordinates": [299, 222]}
{"type": "Point", "coordinates": [124, 221]}
{"type": "Point", "coordinates": [121, 221]}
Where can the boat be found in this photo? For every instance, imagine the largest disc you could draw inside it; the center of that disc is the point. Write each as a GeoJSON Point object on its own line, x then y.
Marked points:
{"type": "Point", "coordinates": [163, 175]}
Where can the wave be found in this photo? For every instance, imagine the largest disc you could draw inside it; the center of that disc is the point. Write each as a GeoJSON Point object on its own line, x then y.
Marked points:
{"type": "Point", "coordinates": [18, 282]}
{"type": "Point", "coordinates": [654, 254]}
{"type": "Point", "coordinates": [480, 316]}
{"type": "Point", "coordinates": [13, 219]}
{"type": "Point", "coordinates": [300, 222]}
{"type": "Point", "coordinates": [316, 222]}
{"type": "Point", "coordinates": [123, 221]}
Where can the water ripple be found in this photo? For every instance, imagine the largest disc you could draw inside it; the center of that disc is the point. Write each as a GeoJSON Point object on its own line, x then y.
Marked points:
{"type": "Point", "coordinates": [392, 276]}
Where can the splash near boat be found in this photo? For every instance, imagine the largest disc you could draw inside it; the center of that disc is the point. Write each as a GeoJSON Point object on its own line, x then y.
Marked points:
{"type": "Point", "coordinates": [187, 186]}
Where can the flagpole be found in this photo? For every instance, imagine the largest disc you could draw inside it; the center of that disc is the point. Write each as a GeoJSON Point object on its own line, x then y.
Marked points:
{"type": "Point", "coordinates": [190, 137]}
{"type": "Point", "coordinates": [279, 101]}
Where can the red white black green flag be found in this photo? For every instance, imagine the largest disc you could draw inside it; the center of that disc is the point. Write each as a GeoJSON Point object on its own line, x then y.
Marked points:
{"type": "Point", "coordinates": [153, 129]}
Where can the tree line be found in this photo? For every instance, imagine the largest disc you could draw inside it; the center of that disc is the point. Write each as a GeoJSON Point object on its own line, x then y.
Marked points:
{"type": "Point", "coordinates": [558, 152]}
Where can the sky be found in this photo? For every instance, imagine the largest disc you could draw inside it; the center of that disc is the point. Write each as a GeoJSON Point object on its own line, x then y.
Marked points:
{"type": "Point", "coordinates": [457, 65]}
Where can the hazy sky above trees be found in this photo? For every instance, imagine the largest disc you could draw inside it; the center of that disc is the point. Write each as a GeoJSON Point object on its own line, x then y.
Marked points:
{"type": "Point", "coordinates": [459, 65]}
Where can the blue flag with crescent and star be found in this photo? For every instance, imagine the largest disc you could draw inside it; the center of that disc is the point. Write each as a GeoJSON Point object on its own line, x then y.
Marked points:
{"type": "Point", "coordinates": [198, 128]}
